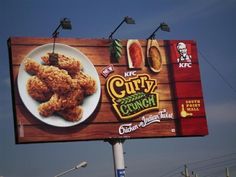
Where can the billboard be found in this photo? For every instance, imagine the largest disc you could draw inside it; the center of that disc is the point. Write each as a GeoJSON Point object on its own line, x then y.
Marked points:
{"type": "Point", "coordinates": [101, 89]}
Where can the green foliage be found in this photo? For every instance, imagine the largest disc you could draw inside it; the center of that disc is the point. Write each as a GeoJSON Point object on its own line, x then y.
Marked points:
{"type": "Point", "coordinates": [131, 98]}
{"type": "Point", "coordinates": [116, 49]}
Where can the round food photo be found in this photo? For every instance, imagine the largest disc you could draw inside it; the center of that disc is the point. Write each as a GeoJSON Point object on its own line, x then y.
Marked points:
{"type": "Point", "coordinates": [62, 88]}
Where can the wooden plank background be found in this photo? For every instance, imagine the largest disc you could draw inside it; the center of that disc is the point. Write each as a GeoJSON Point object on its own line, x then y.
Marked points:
{"type": "Point", "coordinates": [104, 123]}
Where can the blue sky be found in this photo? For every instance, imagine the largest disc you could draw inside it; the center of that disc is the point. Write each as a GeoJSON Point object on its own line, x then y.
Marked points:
{"type": "Point", "coordinates": [211, 23]}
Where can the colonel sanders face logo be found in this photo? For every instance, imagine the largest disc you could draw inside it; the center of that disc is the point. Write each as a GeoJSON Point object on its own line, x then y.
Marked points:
{"type": "Point", "coordinates": [182, 49]}
{"type": "Point", "coordinates": [184, 59]}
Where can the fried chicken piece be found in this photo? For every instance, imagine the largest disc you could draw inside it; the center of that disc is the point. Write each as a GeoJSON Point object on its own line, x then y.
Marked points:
{"type": "Point", "coordinates": [69, 64]}
{"type": "Point", "coordinates": [31, 66]}
{"type": "Point", "coordinates": [61, 102]}
{"type": "Point", "coordinates": [48, 108]}
{"type": "Point", "coordinates": [86, 82]}
{"type": "Point", "coordinates": [38, 90]}
{"type": "Point", "coordinates": [72, 98]}
{"type": "Point", "coordinates": [72, 114]}
{"type": "Point", "coordinates": [58, 80]}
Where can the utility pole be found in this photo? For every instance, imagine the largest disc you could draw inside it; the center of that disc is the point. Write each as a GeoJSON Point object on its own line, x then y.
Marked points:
{"type": "Point", "coordinates": [185, 173]}
{"type": "Point", "coordinates": [227, 172]}
{"type": "Point", "coordinates": [195, 174]}
{"type": "Point", "coordinates": [118, 157]}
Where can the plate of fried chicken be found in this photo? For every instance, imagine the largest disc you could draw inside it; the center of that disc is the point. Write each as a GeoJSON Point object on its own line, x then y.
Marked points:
{"type": "Point", "coordinates": [62, 93]}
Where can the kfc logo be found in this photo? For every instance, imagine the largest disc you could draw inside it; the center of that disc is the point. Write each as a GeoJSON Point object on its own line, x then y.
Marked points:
{"type": "Point", "coordinates": [184, 59]}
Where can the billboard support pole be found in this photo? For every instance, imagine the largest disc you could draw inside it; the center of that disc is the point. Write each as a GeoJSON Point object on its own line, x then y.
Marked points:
{"type": "Point", "coordinates": [118, 157]}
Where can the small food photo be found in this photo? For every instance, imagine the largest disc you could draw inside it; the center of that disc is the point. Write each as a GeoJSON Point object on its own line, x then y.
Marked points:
{"type": "Point", "coordinates": [153, 56]}
{"type": "Point", "coordinates": [135, 54]}
{"type": "Point", "coordinates": [62, 93]}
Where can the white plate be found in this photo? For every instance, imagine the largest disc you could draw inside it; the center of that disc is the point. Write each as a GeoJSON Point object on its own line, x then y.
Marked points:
{"type": "Point", "coordinates": [89, 103]}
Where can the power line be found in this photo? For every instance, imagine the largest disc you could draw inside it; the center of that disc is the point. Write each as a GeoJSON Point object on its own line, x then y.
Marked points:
{"type": "Point", "coordinates": [217, 71]}
{"type": "Point", "coordinates": [211, 166]}
{"type": "Point", "coordinates": [220, 172]}
{"type": "Point", "coordinates": [222, 161]}
{"type": "Point", "coordinates": [215, 165]}
{"type": "Point", "coordinates": [226, 159]}
{"type": "Point", "coordinates": [210, 174]}
{"type": "Point", "coordinates": [172, 172]}
{"type": "Point", "coordinates": [177, 173]}
{"type": "Point", "coordinates": [213, 158]}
